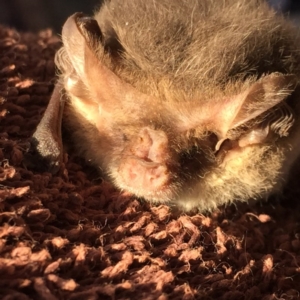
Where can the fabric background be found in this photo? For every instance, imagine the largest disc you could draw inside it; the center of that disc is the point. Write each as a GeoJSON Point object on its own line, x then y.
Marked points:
{"type": "Point", "coordinates": [73, 236]}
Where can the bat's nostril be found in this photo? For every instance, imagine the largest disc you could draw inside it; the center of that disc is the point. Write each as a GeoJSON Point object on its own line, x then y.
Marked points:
{"type": "Point", "coordinates": [152, 145]}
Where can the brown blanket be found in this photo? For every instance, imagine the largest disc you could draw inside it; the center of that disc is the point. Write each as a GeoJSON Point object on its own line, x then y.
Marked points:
{"type": "Point", "coordinates": [73, 236]}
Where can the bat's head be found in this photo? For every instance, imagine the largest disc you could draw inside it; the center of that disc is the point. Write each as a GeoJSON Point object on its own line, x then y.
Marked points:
{"type": "Point", "coordinates": [163, 144]}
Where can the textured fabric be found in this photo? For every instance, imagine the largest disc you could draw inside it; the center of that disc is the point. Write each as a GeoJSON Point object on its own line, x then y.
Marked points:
{"type": "Point", "coordinates": [73, 236]}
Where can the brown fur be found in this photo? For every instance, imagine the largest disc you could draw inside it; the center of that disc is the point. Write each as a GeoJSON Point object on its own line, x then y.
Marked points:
{"type": "Point", "coordinates": [152, 94]}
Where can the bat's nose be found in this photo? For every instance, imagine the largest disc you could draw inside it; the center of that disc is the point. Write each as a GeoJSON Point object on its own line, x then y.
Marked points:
{"type": "Point", "coordinates": [151, 145]}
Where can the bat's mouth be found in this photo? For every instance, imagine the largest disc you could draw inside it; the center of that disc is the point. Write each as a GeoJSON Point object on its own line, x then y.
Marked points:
{"type": "Point", "coordinates": [144, 176]}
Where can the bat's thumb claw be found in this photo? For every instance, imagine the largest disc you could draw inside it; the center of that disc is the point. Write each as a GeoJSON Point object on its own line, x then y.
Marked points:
{"type": "Point", "coordinates": [43, 155]}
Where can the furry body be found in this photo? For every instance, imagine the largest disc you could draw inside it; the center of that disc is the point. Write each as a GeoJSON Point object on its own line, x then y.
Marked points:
{"type": "Point", "coordinates": [193, 103]}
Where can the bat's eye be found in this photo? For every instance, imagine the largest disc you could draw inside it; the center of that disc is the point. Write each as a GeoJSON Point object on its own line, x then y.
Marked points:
{"type": "Point", "coordinates": [191, 159]}
{"type": "Point", "coordinates": [190, 153]}
{"type": "Point", "coordinates": [211, 140]}
{"type": "Point", "coordinates": [195, 160]}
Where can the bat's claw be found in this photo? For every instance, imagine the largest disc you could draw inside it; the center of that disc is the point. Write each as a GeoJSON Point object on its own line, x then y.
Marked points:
{"type": "Point", "coordinates": [44, 154]}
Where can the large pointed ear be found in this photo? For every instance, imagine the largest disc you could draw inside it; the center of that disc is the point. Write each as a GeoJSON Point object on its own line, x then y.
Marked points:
{"type": "Point", "coordinates": [264, 95]}
{"type": "Point", "coordinates": [82, 37]}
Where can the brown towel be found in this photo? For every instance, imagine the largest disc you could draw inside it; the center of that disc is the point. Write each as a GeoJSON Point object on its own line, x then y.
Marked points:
{"type": "Point", "coordinates": [73, 236]}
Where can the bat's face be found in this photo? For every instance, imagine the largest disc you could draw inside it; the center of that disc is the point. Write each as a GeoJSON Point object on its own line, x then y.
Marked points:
{"type": "Point", "coordinates": [161, 161]}
{"type": "Point", "coordinates": [196, 149]}
{"type": "Point", "coordinates": [158, 158]}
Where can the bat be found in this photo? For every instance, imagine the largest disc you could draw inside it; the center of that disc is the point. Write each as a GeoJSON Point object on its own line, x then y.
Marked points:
{"type": "Point", "coordinates": [193, 103]}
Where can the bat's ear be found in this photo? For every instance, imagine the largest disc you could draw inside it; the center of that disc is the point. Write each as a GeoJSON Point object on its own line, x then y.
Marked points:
{"type": "Point", "coordinates": [80, 35]}
{"type": "Point", "coordinates": [258, 99]}
{"type": "Point", "coordinates": [82, 38]}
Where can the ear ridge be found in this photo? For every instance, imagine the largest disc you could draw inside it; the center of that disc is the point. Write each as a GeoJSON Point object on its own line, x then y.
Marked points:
{"type": "Point", "coordinates": [81, 36]}
{"type": "Point", "coordinates": [236, 110]}
{"type": "Point", "coordinates": [263, 95]}
{"type": "Point", "coordinates": [233, 111]}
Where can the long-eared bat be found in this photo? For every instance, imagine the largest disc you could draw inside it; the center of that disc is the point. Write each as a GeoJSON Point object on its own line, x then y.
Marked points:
{"type": "Point", "coordinates": [187, 102]}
